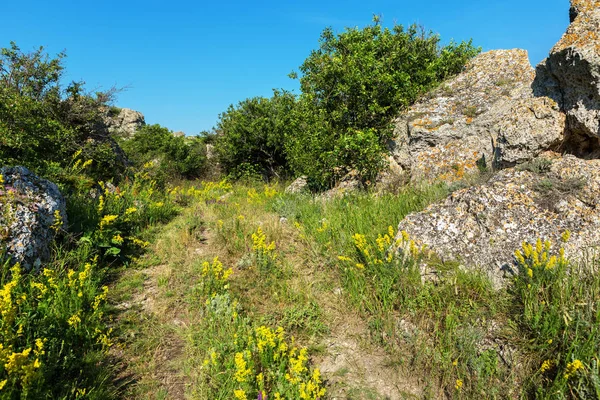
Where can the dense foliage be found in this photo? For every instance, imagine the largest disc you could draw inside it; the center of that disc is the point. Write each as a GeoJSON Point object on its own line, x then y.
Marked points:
{"type": "Point", "coordinates": [42, 124]}
{"type": "Point", "coordinates": [253, 135]}
{"type": "Point", "coordinates": [353, 86]}
{"type": "Point", "coordinates": [169, 156]}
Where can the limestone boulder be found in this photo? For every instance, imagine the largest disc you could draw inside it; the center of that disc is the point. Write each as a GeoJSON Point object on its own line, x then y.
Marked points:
{"type": "Point", "coordinates": [483, 225]}
{"type": "Point", "coordinates": [571, 76]}
{"type": "Point", "coordinates": [124, 122]}
{"type": "Point", "coordinates": [300, 185]}
{"type": "Point", "coordinates": [32, 211]}
{"type": "Point", "coordinates": [447, 134]}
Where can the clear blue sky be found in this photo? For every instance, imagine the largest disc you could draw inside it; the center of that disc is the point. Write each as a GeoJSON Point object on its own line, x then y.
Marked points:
{"type": "Point", "coordinates": [185, 61]}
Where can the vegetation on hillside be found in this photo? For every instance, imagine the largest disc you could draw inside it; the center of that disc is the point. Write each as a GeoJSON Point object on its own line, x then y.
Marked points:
{"type": "Point", "coordinates": [353, 86]}
{"type": "Point", "coordinates": [233, 288]}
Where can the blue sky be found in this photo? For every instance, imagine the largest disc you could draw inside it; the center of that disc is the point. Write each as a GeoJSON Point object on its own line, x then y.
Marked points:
{"type": "Point", "coordinates": [183, 62]}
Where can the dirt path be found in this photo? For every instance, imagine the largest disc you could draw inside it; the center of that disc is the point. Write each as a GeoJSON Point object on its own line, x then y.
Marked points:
{"type": "Point", "coordinates": [156, 315]}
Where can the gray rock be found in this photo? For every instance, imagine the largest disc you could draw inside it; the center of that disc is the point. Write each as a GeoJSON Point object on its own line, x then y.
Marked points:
{"type": "Point", "coordinates": [450, 132]}
{"type": "Point", "coordinates": [571, 76]}
{"type": "Point", "coordinates": [125, 123]}
{"type": "Point", "coordinates": [350, 183]}
{"type": "Point", "coordinates": [523, 129]}
{"type": "Point", "coordinates": [300, 185]}
{"type": "Point", "coordinates": [178, 134]}
{"type": "Point", "coordinates": [483, 225]}
{"type": "Point", "coordinates": [27, 214]}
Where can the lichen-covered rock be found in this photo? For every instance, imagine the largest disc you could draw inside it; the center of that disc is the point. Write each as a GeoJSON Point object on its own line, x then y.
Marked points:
{"type": "Point", "coordinates": [483, 225]}
{"type": "Point", "coordinates": [524, 128]}
{"type": "Point", "coordinates": [449, 133]}
{"type": "Point", "coordinates": [350, 183]}
{"type": "Point", "coordinates": [300, 185]}
{"type": "Point", "coordinates": [32, 210]}
{"type": "Point", "coordinates": [571, 75]}
{"type": "Point", "coordinates": [126, 122]}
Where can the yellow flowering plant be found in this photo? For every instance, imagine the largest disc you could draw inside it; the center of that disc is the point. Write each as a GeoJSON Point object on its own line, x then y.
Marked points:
{"type": "Point", "coordinates": [39, 314]}
{"type": "Point", "coordinates": [559, 318]}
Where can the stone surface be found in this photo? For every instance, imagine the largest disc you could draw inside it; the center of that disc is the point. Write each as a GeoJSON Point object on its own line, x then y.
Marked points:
{"type": "Point", "coordinates": [179, 134]}
{"type": "Point", "coordinates": [27, 213]}
{"type": "Point", "coordinates": [300, 185]}
{"type": "Point", "coordinates": [125, 123]}
{"type": "Point", "coordinates": [483, 225]}
{"type": "Point", "coordinates": [571, 76]}
{"type": "Point", "coordinates": [449, 133]}
{"type": "Point", "coordinates": [349, 183]}
{"type": "Point", "coordinates": [523, 128]}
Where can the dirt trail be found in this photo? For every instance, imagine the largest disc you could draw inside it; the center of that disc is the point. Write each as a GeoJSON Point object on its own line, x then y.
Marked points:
{"type": "Point", "coordinates": [352, 365]}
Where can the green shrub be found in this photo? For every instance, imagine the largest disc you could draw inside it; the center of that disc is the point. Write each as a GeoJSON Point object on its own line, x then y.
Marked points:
{"type": "Point", "coordinates": [354, 85]}
{"type": "Point", "coordinates": [42, 124]}
{"type": "Point", "coordinates": [252, 134]}
{"type": "Point", "coordinates": [168, 156]}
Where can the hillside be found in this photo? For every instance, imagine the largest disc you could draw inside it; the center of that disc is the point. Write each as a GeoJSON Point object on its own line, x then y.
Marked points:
{"type": "Point", "coordinates": [421, 221]}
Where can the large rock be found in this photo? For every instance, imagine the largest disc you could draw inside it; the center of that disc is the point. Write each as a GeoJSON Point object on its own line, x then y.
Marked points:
{"type": "Point", "coordinates": [571, 76]}
{"type": "Point", "coordinates": [125, 122]}
{"type": "Point", "coordinates": [29, 207]}
{"type": "Point", "coordinates": [483, 225]}
{"type": "Point", "coordinates": [300, 185]}
{"type": "Point", "coordinates": [486, 116]}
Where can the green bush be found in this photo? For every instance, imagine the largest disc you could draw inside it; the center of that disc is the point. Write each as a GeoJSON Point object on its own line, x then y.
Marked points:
{"type": "Point", "coordinates": [42, 124]}
{"type": "Point", "coordinates": [252, 134]}
{"type": "Point", "coordinates": [172, 157]}
{"type": "Point", "coordinates": [353, 86]}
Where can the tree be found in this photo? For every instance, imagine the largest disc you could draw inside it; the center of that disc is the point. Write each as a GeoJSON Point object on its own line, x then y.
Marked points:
{"type": "Point", "coordinates": [175, 157]}
{"type": "Point", "coordinates": [41, 124]}
{"type": "Point", "coordinates": [354, 85]}
{"type": "Point", "coordinates": [252, 134]}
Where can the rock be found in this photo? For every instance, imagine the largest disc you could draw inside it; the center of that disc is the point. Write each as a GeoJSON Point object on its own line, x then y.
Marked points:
{"type": "Point", "coordinates": [483, 225]}
{"type": "Point", "coordinates": [29, 207]}
{"type": "Point", "coordinates": [349, 183]}
{"type": "Point", "coordinates": [178, 134]}
{"type": "Point", "coordinates": [524, 128]}
{"type": "Point", "coordinates": [125, 122]}
{"type": "Point", "coordinates": [300, 185]}
{"type": "Point", "coordinates": [571, 76]}
{"type": "Point", "coordinates": [448, 134]}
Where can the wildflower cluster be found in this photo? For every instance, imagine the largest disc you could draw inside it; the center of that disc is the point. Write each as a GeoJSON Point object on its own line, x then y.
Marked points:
{"type": "Point", "coordinates": [266, 365]}
{"type": "Point", "coordinates": [40, 313]}
{"type": "Point", "coordinates": [122, 211]}
{"type": "Point", "coordinates": [385, 251]}
{"type": "Point", "coordinates": [214, 277]}
{"type": "Point", "coordinates": [207, 191]}
{"type": "Point", "coordinates": [264, 252]}
{"type": "Point", "coordinates": [256, 197]}
{"type": "Point", "coordinates": [559, 316]}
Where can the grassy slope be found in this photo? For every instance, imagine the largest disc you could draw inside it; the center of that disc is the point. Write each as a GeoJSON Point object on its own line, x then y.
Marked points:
{"type": "Point", "coordinates": [374, 331]}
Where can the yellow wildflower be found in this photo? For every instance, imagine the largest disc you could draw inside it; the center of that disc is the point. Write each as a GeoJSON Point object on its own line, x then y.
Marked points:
{"type": "Point", "coordinates": [240, 394]}
{"type": "Point", "coordinates": [546, 365]}
{"type": "Point", "coordinates": [130, 210]}
{"type": "Point", "coordinates": [107, 220]}
{"type": "Point", "coordinates": [459, 384]}
{"type": "Point", "coordinates": [572, 368]}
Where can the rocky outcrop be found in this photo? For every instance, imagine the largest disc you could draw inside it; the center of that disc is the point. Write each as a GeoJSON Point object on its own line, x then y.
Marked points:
{"type": "Point", "coordinates": [300, 185]}
{"type": "Point", "coordinates": [456, 129]}
{"type": "Point", "coordinates": [571, 76]}
{"type": "Point", "coordinates": [32, 211]}
{"type": "Point", "coordinates": [532, 197]}
{"type": "Point", "coordinates": [524, 128]}
{"type": "Point", "coordinates": [483, 225]}
{"type": "Point", "coordinates": [124, 122]}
